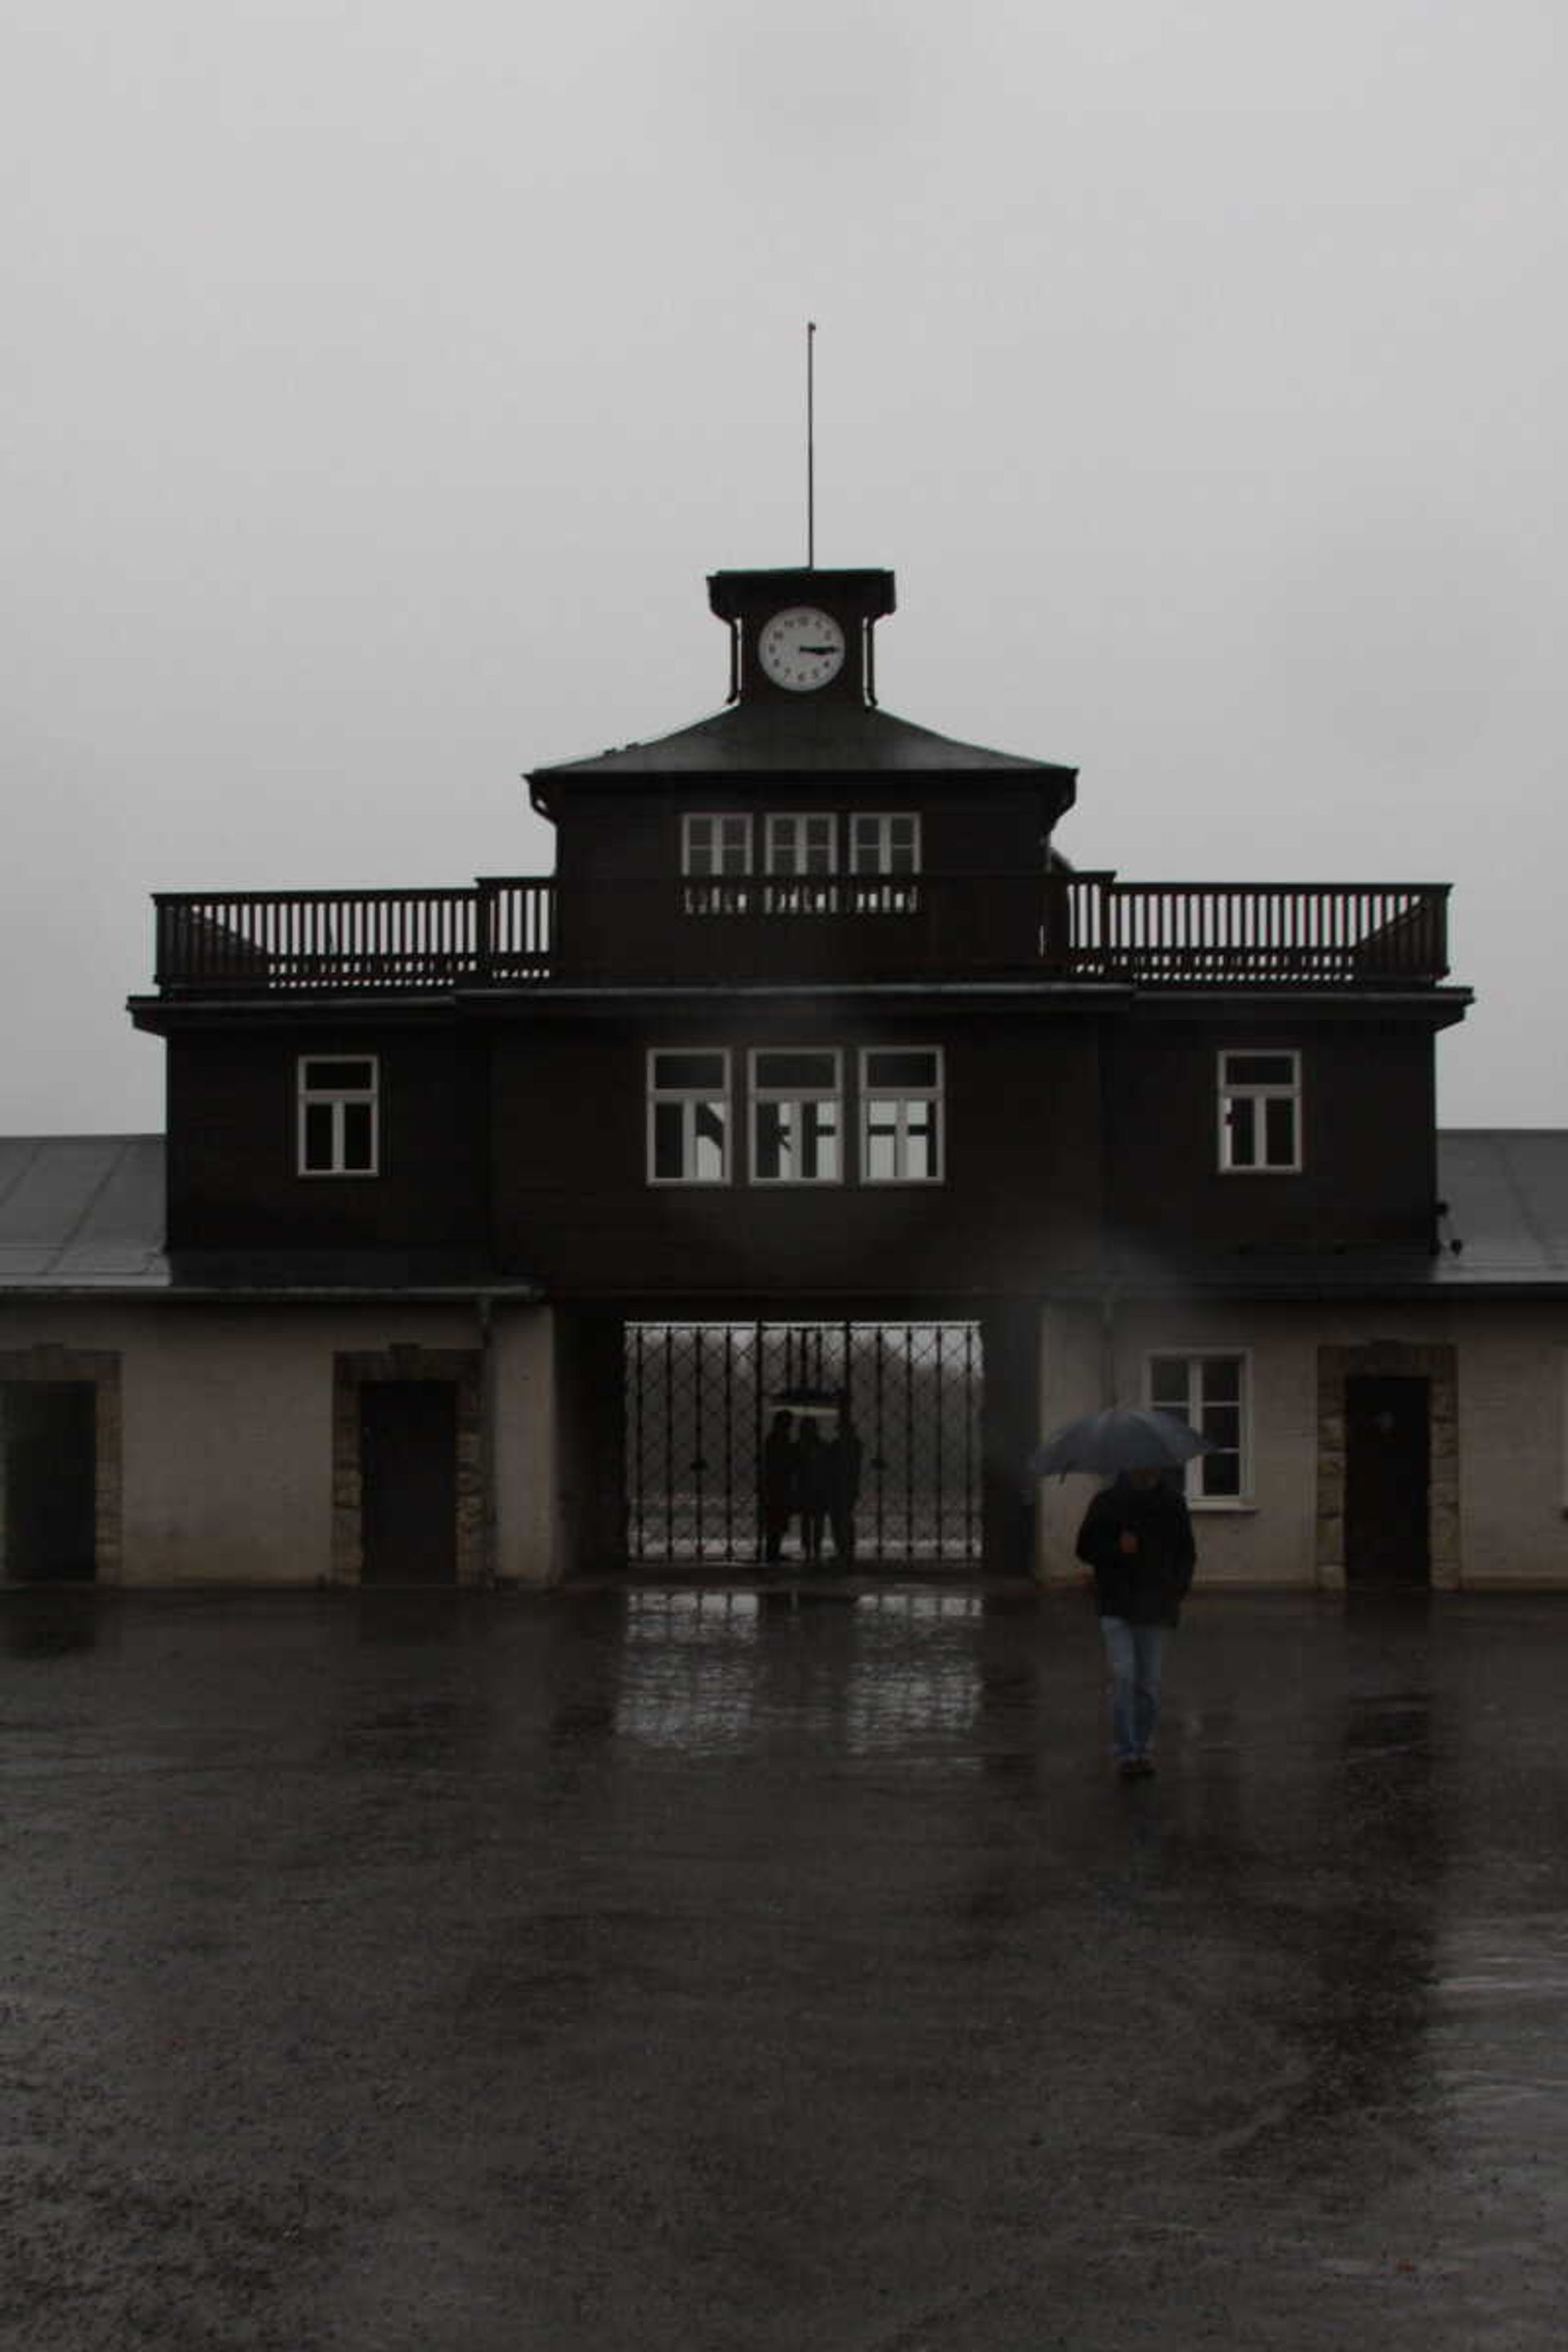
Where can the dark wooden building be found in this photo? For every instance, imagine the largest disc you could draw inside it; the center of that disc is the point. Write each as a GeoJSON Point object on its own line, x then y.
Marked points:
{"type": "Point", "coordinates": [813, 1073]}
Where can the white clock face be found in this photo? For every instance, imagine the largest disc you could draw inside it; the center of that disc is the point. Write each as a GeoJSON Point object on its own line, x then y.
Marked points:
{"type": "Point", "coordinates": [801, 648]}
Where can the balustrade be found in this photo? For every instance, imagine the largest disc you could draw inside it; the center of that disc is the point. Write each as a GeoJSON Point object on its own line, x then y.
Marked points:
{"type": "Point", "coordinates": [506, 932]}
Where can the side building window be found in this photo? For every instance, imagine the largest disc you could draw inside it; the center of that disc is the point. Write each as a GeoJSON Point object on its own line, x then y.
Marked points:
{"type": "Point", "coordinates": [687, 1115]}
{"type": "Point", "coordinates": [1259, 1111]}
{"type": "Point", "coordinates": [796, 1117]}
{"type": "Point", "coordinates": [337, 1115]}
{"type": "Point", "coordinates": [1208, 1391]}
{"type": "Point", "coordinates": [900, 1115]}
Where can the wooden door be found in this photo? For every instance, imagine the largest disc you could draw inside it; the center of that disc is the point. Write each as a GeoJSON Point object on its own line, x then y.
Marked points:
{"type": "Point", "coordinates": [48, 1480]}
{"type": "Point", "coordinates": [408, 1472]}
{"type": "Point", "coordinates": [1388, 1448]}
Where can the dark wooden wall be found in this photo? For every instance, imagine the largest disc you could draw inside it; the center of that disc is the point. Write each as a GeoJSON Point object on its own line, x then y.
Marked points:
{"type": "Point", "coordinates": [521, 1145]}
{"type": "Point", "coordinates": [232, 1176]}
{"type": "Point", "coordinates": [1369, 1173]}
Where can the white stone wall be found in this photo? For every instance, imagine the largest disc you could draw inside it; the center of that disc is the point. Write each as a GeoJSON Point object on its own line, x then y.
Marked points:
{"type": "Point", "coordinates": [225, 1429]}
{"type": "Point", "coordinates": [1499, 1470]}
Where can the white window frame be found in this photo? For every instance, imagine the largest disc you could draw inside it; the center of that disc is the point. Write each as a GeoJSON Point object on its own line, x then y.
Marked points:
{"type": "Point", "coordinates": [801, 869]}
{"type": "Point", "coordinates": [902, 1097]}
{"type": "Point", "coordinates": [692, 1100]}
{"type": "Point", "coordinates": [759, 1094]}
{"type": "Point", "coordinates": [716, 860]}
{"type": "Point", "coordinates": [1193, 1412]}
{"type": "Point", "coordinates": [339, 1099]}
{"type": "Point", "coordinates": [1259, 1093]}
{"type": "Point", "coordinates": [880, 886]}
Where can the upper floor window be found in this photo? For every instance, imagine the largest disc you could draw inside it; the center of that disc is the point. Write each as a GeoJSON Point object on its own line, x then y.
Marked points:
{"type": "Point", "coordinates": [1208, 1391]}
{"type": "Point", "coordinates": [687, 1115]}
{"type": "Point", "coordinates": [716, 854]}
{"type": "Point", "coordinates": [890, 848]}
{"type": "Point", "coordinates": [900, 1115]}
{"type": "Point", "coordinates": [1260, 1110]}
{"type": "Point", "coordinates": [796, 1117]}
{"type": "Point", "coordinates": [715, 846]}
{"type": "Point", "coordinates": [338, 1117]}
{"type": "Point", "coordinates": [802, 852]}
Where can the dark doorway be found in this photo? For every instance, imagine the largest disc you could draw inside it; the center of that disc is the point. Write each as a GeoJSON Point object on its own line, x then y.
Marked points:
{"type": "Point", "coordinates": [48, 1481]}
{"type": "Point", "coordinates": [408, 1471]}
{"type": "Point", "coordinates": [1388, 1446]}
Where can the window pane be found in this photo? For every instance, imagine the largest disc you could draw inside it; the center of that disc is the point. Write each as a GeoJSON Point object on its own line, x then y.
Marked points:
{"type": "Point", "coordinates": [338, 1078]}
{"type": "Point", "coordinates": [668, 1130]}
{"type": "Point", "coordinates": [819, 1141]}
{"type": "Point", "coordinates": [694, 1072]}
{"type": "Point", "coordinates": [1222, 1423]}
{"type": "Point", "coordinates": [709, 1129]}
{"type": "Point", "coordinates": [772, 1145]}
{"type": "Point", "coordinates": [734, 844]}
{"type": "Point", "coordinates": [891, 1068]}
{"type": "Point", "coordinates": [1241, 1121]}
{"type": "Point", "coordinates": [1221, 1380]}
{"type": "Point", "coordinates": [318, 1136]}
{"type": "Point", "coordinates": [1260, 1069]}
{"type": "Point", "coordinates": [1168, 1384]}
{"type": "Point", "coordinates": [1280, 1130]}
{"type": "Point", "coordinates": [801, 1071]}
{"type": "Point", "coordinates": [358, 1145]}
{"type": "Point", "coordinates": [1220, 1473]}
{"type": "Point", "coordinates": [919, 1142]}
{"type": "Point", "coordinates": [881, 1145]}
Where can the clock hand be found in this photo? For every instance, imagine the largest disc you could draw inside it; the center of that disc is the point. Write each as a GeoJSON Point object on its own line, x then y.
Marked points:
{"type": "Point", "coordinates": [816, 649]}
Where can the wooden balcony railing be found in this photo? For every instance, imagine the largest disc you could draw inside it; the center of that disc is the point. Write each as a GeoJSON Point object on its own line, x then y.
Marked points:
{"type": "Point", "coordinates": [512, 932]}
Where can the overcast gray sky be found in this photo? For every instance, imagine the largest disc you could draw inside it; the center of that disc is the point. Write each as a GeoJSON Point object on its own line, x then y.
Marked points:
{"type": "Point", "coordinates": [383, 380]}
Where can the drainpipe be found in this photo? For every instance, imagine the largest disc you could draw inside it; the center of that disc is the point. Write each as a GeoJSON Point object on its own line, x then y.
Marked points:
{"type": "Point", "coordinates": [485, 1308]}
{"type": "Point", "coordinates": [1107, 1344]}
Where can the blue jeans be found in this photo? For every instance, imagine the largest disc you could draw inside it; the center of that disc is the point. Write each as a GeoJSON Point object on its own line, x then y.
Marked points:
{"type": "Point", "coordinates": [1133, 1654]}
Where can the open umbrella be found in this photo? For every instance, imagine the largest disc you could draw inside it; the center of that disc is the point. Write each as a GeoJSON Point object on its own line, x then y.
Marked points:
{"type": "Point", "coordinates": [1122, 1437]}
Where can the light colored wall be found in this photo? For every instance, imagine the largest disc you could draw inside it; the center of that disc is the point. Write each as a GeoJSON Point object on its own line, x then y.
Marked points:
{"type": "Point", "coordinates": [529, 1536]}
{"type": "Point", "coordinates": [1512, 1362]}
{"type": "Point", "coordinates": [227, 1427]}
{"type": "Point", "coordinates": [1513, 1380]}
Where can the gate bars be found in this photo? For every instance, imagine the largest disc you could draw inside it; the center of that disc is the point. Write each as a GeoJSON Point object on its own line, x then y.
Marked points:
{"type": "Point", "coordinates": [699, 1399]}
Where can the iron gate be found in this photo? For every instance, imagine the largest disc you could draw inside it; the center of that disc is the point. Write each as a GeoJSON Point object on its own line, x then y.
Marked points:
{"type": "Point", "coordinates": [698, 1399]}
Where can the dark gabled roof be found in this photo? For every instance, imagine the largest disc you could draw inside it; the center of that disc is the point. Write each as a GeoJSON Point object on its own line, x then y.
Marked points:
{"type": "Point", "coordinates": [773, 739]}
{"type": "Point", "coordinates": [82, 1211]}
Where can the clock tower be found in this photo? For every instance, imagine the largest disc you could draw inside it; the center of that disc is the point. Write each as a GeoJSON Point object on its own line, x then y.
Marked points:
{"type": "Point", "coordinates": [802, 635]}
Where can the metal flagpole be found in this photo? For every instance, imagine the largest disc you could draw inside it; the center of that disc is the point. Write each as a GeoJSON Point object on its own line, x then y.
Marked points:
{"type": "Point", "coordinates": [810, 448]}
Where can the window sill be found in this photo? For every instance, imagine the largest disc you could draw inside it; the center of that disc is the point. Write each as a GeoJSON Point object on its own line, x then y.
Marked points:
{"type": "Point", "coordinates": [1222, 1505]}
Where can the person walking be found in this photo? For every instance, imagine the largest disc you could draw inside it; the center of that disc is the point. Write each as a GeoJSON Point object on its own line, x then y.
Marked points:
{"type": "Point", "coordinates": [779, 1485]}
{"type": "Point", "coordinates": [1137, 1537]}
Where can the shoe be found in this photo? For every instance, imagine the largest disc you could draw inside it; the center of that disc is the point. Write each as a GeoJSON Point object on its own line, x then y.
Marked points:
{"type": "Point", "coordinates": [1144, 1767]}
{"type": "Point", "coordinates": [1127, 1768]}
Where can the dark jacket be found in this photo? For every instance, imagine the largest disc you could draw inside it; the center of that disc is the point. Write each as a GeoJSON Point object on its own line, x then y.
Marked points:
{"type": "Point", "coordinates": [1147, 1586]}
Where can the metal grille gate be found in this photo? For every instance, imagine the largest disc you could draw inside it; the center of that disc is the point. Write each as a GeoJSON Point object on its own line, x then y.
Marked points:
{"type": "Point", "coordinates": [699, 1399]}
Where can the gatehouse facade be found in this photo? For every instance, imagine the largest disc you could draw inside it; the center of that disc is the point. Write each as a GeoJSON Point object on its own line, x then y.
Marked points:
{"type": "Point", "coordinates": [495, 1224]}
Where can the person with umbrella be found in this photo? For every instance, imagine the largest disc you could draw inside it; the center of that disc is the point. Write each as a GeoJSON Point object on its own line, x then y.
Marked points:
{"type": "Point", "coordinates": [1137, 1538]}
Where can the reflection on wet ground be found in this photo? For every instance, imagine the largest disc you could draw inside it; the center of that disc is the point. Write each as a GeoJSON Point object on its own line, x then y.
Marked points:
{"type": "Point", "coordinates": [728, 1969]}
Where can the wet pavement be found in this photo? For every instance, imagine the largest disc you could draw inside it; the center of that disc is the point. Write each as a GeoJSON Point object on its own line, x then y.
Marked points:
{"type": "Point", "coordinates": [450, 1973]}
